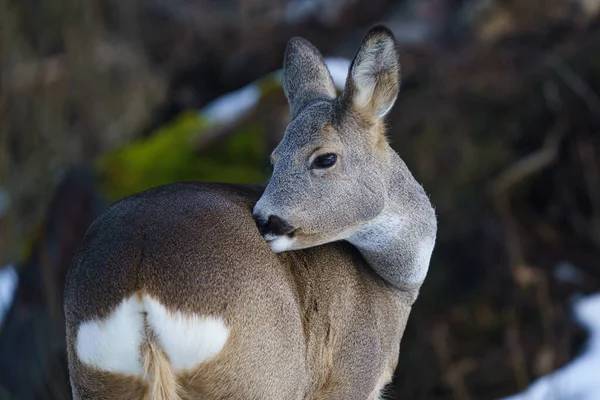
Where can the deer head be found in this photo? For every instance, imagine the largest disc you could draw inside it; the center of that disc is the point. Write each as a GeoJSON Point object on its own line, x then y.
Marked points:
{"type": "Point", "coordinates": [333, 167]}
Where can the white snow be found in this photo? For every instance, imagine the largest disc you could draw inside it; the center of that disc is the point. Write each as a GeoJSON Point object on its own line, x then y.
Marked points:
{"type": "Point", "coordinates": [232, 106]}
{"type": "Point", "coordinates": [580, 379]}
{"type": "Point", "coordinates": [338, 67]}
{"type": "Point", "coordinates": [8, 286]}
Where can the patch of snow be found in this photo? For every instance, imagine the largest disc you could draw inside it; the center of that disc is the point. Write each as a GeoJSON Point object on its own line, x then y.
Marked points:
{"type": "Point", "coordinates": [338, 67]}
{"type": "Point", "coordinates": [579, 380]}
{"type": "Point", "coordinates": [8, 285]}
{"type": "Point", "coordinates": [232, 106]}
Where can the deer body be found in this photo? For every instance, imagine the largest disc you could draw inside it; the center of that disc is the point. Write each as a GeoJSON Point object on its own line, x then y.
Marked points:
{"type": "Point", "coordinates": [175, 293]}
{"type": "Point", "coordinates": [294, 320]}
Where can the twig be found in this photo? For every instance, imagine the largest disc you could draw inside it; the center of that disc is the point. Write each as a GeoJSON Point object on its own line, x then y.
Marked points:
{"type": "Point", "coordinates": [546, 309]}
{"type": "Point", "coordinates": [515, 174]}
{"type": "Point", "coordinates": [592, 181]}
{"type": "Point", "coordinates": [575, 82]}
{"type": "Point", "coordinates": [453, 372]}
{"type": "Point", "coordinates": [515, 351]}
{"type": "Point", "coordinates": [531, 163]}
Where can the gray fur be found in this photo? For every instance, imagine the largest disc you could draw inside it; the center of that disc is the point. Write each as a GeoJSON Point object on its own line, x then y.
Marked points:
{"type": "Point", "coordinates": [306, 78]}
{"type": "Point", "coordinates": [369, 197]}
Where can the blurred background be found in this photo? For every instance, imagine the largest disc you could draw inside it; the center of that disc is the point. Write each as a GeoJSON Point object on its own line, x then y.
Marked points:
{"type": "Point", "coordinates": [499, 118]}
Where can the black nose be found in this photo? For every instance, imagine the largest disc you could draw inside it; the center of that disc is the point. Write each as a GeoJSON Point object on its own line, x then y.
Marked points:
{"type": "Point", "coordinates": [273, 225]}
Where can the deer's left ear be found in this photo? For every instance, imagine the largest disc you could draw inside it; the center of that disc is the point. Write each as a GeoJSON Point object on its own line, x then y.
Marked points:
{"type": "Point", "coordinates": [306, 78]}
{"type": "Point", "coordinates": [374, 77]}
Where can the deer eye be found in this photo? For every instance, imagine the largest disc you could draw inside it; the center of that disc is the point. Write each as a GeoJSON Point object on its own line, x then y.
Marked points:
{"type": "Point", "coordinates": [326, 160]}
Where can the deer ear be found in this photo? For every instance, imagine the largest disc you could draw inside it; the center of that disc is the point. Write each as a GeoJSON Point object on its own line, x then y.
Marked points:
{"type": "Point", "coordinates": [305, 76]}
{"type": "Point", "coordinates": [374, 78]}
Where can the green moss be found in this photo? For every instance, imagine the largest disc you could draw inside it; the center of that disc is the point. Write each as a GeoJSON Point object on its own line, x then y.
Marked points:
{"type": "Point", "coordinates": [169, 155]}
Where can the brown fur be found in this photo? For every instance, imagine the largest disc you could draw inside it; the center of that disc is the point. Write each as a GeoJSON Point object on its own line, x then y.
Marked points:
{"type": "Point", "coordinates": [320, 323]}
{"type": "Point", "coordinates": [312, 324]}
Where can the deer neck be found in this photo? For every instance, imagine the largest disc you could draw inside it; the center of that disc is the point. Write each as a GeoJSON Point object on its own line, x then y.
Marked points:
{"type": "Point", "coordinates": [398, 243]}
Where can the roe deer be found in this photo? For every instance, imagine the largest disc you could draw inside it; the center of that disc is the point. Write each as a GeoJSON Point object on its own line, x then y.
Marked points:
{"type": "Point", "coordinates": [175, 293]}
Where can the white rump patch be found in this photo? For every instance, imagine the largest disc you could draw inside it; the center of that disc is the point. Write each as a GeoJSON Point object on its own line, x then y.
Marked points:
{"type": "Point", "coordinates": [114, 344]}
{"type": "Point", "coordinates": [187, 339]}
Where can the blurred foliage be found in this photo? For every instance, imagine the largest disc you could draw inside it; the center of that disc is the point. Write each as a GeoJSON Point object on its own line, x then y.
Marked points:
{"type": "Point", "coordinates": [169, 155]}
{"type": "Point", "coordinates": [69, 90]}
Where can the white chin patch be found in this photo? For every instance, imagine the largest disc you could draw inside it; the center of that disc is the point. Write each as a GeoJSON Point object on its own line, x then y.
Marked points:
{"type": "Point", "coordinates": [280, 243]}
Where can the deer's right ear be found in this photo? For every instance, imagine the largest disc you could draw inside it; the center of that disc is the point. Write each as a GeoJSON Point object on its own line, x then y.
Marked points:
{"type": "Point", "coordinates": [374, 78]}
{"type": "Point", "coordinates": [305, 76]}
